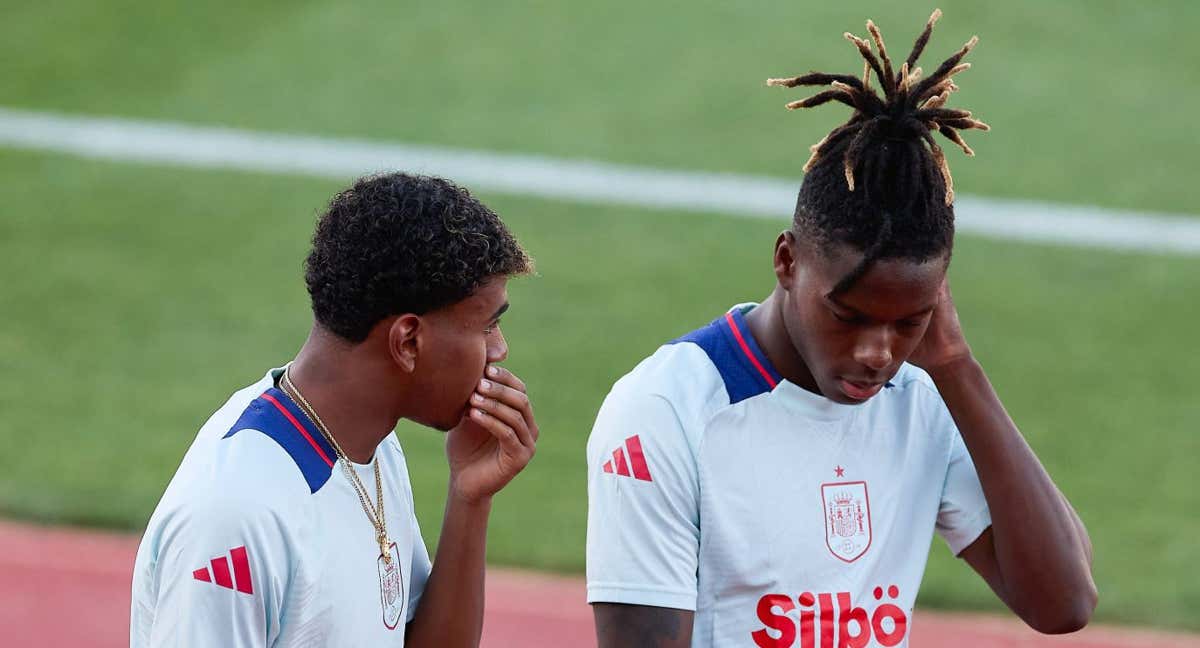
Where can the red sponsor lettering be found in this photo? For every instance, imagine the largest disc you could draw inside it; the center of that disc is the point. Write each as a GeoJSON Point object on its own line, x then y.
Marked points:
{"type": "Point", "coordinates": [806, 619]}
{"type": "Point", "coordinates": [825, 602]}
{"type": "Point", "coordinates": [822, 624]}
{"type": "Point", "coordinates": [889, 611]}
{"type": "Point", "coordinates": [775, 621]}
{"type": "Point", "coordinates": [861, 635]}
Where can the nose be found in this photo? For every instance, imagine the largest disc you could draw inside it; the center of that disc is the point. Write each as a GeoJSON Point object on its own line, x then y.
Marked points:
{"type": "Point", "coordinates": [874, 349]}
{"type": "Point", "coordinates": [497, 349]}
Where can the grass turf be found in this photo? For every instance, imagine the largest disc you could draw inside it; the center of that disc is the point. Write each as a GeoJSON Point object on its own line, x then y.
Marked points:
{"type": "Point", "coordinates": [140, 297]}
{"type": "Point", "coordinates": [1075, 90]}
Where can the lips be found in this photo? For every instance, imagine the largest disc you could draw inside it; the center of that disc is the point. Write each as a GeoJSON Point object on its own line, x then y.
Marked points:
{"type": "Point", "coordinates": [859, 391]}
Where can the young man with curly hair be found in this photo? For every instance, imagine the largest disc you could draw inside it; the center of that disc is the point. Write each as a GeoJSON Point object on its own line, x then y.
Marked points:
{"type": "Point", "coordinates": [290, 521]}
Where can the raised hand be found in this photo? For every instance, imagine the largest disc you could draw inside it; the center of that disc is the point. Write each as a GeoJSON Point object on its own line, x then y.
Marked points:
{"type": "Point", "coordinates": [495, 440]}
{"type": "Point", "coordinates": [944, 342]}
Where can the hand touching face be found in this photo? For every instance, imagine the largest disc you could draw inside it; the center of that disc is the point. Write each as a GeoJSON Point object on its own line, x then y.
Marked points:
{"type": "Point", "coordinates": [496, 440]}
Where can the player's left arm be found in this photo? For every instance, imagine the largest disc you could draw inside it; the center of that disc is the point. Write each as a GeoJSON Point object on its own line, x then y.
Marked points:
{"type": "Point", "coordinates": [495, 441]}
{"type": "Point", "coordinates": [1036, 555]}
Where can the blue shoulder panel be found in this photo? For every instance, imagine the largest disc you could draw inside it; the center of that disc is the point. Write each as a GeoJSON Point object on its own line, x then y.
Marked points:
{"type": "Point", "coordinates": [742, 365]}
{"type": "Point", "coordinates": [275, 415]}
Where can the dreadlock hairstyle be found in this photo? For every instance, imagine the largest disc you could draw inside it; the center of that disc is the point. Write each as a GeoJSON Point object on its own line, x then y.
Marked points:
{"type": "Point", "coordinates": [880, 182]}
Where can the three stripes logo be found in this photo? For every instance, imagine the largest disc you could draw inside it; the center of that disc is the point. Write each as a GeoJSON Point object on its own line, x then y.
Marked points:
{"type": "Point", "coordinates": [636, 467]}
{"type": "Point", "coordinates": [239, 579]}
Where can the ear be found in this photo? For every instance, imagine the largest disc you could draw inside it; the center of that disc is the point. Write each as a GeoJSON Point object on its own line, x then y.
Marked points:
{"type": "Point", "coordinates": [402, 341]}
{"type": "Point", "coordinates": [785, 259]}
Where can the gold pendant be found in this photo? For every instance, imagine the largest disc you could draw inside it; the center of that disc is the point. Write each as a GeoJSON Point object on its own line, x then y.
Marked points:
{"type": "Point", "coordinates": [385, 549]}
{"type": "Point", "coordinates": [391, 589]}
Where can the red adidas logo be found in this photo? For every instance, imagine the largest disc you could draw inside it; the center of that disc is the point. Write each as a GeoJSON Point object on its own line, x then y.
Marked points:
{"type": "Point", "coordinates": [637, 460]}
{"type": "Point", "coordinates": [220, 571]}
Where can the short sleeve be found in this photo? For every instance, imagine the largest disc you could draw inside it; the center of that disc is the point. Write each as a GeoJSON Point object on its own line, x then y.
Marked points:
{"type": "Point", "coordinates": [421, 566]}
{"type": "Point", "coordinates": [963, 514]}
{"type": "Point", "coordinates": [643, 533]}
{"type": "Point", "coordinates": [211, 573]}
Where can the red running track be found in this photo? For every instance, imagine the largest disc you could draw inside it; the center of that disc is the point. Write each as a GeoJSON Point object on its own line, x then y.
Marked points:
{"type": "Point", "coordinates": [70, 587]}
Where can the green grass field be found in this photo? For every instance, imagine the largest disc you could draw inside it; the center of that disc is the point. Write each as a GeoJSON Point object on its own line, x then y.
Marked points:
{"type": "Point", "coordinates": [138, 298]}
{"type": "Point", "coordinates": [1077, 91]}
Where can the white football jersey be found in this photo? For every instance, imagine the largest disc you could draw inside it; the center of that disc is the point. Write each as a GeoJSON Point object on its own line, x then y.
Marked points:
{"type": "Point", "coordinates": [780, 517]}
{"type": "Point", "coordinates": [260, 539]}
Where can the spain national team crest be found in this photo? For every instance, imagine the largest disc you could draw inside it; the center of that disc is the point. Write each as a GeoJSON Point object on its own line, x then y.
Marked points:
{"type": "Point", "coordinates": [847, 519]}
{"type": "Point", "coordinates": [391, 589]}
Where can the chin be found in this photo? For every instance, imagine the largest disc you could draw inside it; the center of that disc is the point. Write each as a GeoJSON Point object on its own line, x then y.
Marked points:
{"type": "Point", "coordinates": [441, 423]}
{"type": "Point", "coordinates": [833, 391]}
{"type": "Point", "coordinates": [842, 399]}
{"type": "Point", "coordinates": [448, 424]}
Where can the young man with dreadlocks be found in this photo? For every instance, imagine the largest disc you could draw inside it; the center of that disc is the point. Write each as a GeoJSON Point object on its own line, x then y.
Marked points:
{"type": "Point", "coordinates": [774, 478]}
{"type": "Point", "coordinates": [290, 521]}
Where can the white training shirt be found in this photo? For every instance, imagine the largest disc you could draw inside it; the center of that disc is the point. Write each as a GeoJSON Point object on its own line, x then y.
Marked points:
{"type": "Point", "coordinates": [780, 517]}
{"type": "Point", "coordinates": [260, 539]}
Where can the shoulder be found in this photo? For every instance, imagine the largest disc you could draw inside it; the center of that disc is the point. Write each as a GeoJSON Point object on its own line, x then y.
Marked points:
{"type": "Point", "coordinates": [679, 373]}
{"type": "Point", "coordinates": [199, 520]}
{"type": "Point", "coordinates": [391, 454]}
{"type": "Point", "coordinates": [395, 452]}
{"type": "Point", "coordinates": [675, 392]}
{"type": "Point", "coordinates": [913, 384]}
{"type": "Point", "coordinates": [273, 434]}
{"type": "Point", "coordinates": [712, 367]}
{"type": "Point", "coordinates": [731, 354]}
{"type": "Point", "coordinates": [675, 387]}
{"type": "Point", "coordinates": [239, 483]}
{"type": "Point", "coordinates": [256, 458]}
{"type": "Point", "coordinates": [913, 396]}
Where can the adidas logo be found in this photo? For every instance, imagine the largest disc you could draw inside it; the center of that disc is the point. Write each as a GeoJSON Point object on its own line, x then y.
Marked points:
{"type": "Point", "coordinates": [221, 574]}
{"type": "Point", "coordinates": [637, 461]}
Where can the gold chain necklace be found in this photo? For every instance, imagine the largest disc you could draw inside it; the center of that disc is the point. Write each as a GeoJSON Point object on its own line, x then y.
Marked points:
{"type": "Point", "coordinates": [374, 514]}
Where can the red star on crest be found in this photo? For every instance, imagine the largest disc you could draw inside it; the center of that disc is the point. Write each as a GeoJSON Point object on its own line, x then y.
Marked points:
{"type": "Point", "coordinates": [839, 471]}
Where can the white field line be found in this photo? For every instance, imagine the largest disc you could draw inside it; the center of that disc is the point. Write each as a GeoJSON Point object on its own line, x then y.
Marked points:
{"type": "Point", "coordinates": [545, 177]}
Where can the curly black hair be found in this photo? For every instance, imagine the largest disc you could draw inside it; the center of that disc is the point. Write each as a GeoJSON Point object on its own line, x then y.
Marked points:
{"type": "Point", "coordinates": [399, 243]}
{"type": "Point", "coordinates": [880, 182]}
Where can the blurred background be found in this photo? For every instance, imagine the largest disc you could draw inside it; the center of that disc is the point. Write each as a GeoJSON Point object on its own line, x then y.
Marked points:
{"type": "Point", "coordinates": [139, 292]}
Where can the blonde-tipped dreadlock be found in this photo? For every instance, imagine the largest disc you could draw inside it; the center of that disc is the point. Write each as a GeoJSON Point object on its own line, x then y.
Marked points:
{"type": "Point", "coordinates": [879, 182]}
{"type": "Point", "coordinates": [911, 103]}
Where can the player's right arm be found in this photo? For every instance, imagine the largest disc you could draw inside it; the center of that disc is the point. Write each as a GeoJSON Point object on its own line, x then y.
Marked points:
{"type": "Point", "coordinates": [1045, 577]}
{"type": "Point", "coordinates": [643, 523]}
{"type": "Point", "coordinates": [642, 626]}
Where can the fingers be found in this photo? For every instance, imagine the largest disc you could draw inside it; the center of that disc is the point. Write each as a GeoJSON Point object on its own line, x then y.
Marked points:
{"type": "Point", "coordinates": [505, 377]}
{"type": "Point", "coordinates": [510, 442]}
{"type": "Point", "coordinates": [505, 414]}
{"type": "Point", "coordinates": [514, 398]}
{"type": "Point", "coordinates": [501, 385]}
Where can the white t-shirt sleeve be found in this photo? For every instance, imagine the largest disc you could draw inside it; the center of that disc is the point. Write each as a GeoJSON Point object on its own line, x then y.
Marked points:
{"type": "Point", "coordinates": [214, 573]}
{"type": "Point", "coordinates": [643, 535]}
{"type": "Point", "coordinates": [963, 514]}
{"type": "Point", "coordinates": [421, 566]}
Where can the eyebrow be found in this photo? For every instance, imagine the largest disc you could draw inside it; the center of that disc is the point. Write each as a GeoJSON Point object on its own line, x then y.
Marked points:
{"type": "Point", "coordinates": [834, 300]}
{"type": "Point", "coordinates": [503, 309]}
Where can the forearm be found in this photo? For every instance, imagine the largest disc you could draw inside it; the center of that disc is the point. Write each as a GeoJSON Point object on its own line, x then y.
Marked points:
{"type": "Point", "coordinates": [1042, 550]}
{"type": "Point", "coordinates": [641, 626]}
{"type": "Point", "coordinates": [451, 610]}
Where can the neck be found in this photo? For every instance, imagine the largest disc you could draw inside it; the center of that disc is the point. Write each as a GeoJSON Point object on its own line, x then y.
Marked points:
{"type": "Point", "coordinates": [349, 390]}
{"type": "Point", "coordinates": [770, 332]}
